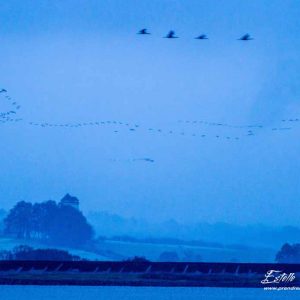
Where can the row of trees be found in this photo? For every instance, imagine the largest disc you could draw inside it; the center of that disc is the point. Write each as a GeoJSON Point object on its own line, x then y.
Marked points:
{"type": "Point", "coordinates": [48, 221]}
{"type": "Point", "coordinates": [24, 252]}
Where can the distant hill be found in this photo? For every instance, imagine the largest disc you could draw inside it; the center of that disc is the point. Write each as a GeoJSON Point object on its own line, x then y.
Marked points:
{"type": "Point", "coordinates": [106, 224]}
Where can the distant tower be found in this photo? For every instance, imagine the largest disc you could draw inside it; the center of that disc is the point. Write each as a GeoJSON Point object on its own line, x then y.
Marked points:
{"type": "Point", "coordinates": [69, 200]}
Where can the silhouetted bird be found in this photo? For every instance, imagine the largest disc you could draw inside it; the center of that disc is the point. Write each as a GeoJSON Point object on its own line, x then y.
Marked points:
{"type": "Point", "coordinates": [148, 159]}
{"type": "Point", "coordinates": [171, 35]}
{"type": "Point", "coordinates": [143, 31]}
{"type": "Point", "coordinates": [245, 37]}
{"type": "Point", "coordinates": [3, 91]}
{"type": "Point", "coordinates": [202, 37]}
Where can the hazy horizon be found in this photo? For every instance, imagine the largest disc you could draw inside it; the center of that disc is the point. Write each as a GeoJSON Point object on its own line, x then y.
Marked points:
{"type": "Point", "coordinates": [82, 61]}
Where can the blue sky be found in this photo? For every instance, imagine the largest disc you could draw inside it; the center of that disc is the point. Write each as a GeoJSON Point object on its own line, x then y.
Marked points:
{"type": "Point", "coordinates": [81, 61]}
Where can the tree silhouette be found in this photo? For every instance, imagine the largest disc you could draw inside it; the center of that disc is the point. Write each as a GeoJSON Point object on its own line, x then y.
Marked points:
{"type": "Point", "coordinates": [289, 254]}
{"type": "Point", "coordinates": [24, 252]}
{"type": "Point", "coordinates": [69, 227]}
{"type": "Point", "coordinates": [18, 221]}
{"type": "Point", "coordinates": [48, 221]}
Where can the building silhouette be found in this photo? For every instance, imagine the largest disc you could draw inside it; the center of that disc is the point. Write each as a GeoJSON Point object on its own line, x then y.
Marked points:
{"type": "Point", "coordinates": [69, 200]}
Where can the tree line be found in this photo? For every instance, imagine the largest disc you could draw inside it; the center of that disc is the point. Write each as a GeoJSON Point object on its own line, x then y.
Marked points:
{"type": "Point", "coordinates": [289, 253]}
{"type": "Point", "coordinates": [48, 221]}
{"type": "Point", "coordinates": [24, 252]}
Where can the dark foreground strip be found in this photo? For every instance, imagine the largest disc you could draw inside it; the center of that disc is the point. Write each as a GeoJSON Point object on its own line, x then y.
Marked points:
{"type": "Point", "coordinates": [168, 274]}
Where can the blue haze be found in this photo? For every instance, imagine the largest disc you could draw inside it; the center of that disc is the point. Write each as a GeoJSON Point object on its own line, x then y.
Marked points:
{"type": "Point", "coordinates": [76, 61]}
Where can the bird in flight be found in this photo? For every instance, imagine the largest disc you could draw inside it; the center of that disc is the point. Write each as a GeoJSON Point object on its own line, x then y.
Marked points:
{"type": "Point", "coordinates": [245, 37]}
{"type": "Point", "coordinates": [171, 35]}
{"type": "Point", "coordinates": [202, 37]}
{"type": "Point", "coordinates": [148, 159]}
{"type": "Point", "coordinates": [143, 31]}
{"type": "Point", "coordinates": [3, 91]}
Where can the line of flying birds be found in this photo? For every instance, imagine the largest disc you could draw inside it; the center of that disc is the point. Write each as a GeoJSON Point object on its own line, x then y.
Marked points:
{"type": "Point", "coordinates": [172, 35]}
{"type": "Point", "coordinates": [5, 117]}
{"type": "Point", "coordinates": [147, 159]}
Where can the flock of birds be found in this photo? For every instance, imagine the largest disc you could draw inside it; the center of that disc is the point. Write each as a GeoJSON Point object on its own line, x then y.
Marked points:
{"type": "Point", "coordinates": [11, 114]}
{"type": "Point", "coordinates": [172, 35]}
{"type": "Point", "coordinates": [116, 126]}
{"type": "Point", "coordinates": [7, 116]}
{"type": "Point", "coordinates": [255, 126]}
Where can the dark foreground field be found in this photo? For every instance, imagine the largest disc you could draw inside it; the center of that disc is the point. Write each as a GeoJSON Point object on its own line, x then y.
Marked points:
{"type": "Point", "coordinates": [141, 273]}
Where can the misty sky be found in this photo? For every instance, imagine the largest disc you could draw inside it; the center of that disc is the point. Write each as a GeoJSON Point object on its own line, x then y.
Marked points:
{"type": "Point", "coordinates": [82, 61]}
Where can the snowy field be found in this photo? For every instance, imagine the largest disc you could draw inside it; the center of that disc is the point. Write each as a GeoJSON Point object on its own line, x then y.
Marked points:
{"type": "Point", "coordinates": [119, 250]}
